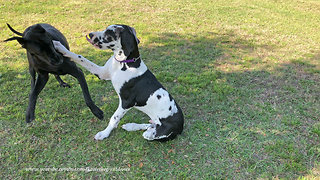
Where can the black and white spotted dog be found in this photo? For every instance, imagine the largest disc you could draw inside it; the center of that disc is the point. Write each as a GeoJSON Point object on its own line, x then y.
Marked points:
{"type": "Point", "coordinates": [135, 85]}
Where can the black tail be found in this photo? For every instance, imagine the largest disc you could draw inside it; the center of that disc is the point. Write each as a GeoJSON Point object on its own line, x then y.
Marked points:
{"type": "Point", "coordinates": [13, 38]}
{"type": "Point", "coordinates": [16, 32]}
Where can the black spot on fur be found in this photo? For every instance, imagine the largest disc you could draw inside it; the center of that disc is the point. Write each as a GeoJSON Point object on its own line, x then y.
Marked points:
{"type": "Point", "coordinates": [170, 97]}
{"type": "Point", "coordinates": [109, 32]}
{"type": "Point", "coordinates": [79, 56]}
{"type": "Point", "coordinates": [170, 108]}
{"type": "Point", "coordinates": [137, 90]}
{"type": "Point", "coordinates": [104, 40]}
{"type": "Point", "coordinates": [158, 96]}
{"type": "Point", "coordinates": [124, 67]}
{"type": "Point", "coordinates": [110, 46]}
{"type": "Point", "coordinates": [95, 40]}
{"type": "Point", "coordinates": [81, 60]}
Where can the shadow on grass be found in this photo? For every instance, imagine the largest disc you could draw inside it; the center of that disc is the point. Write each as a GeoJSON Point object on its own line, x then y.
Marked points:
{"type": "Point", "coordinates": [242, 124]}
{"type": "Point", "coordinates": [250, 123]}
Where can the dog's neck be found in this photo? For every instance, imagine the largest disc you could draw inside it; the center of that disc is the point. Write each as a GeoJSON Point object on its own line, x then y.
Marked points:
{"type": "Point", "coordinates": [133, 60]}
{"type": "Point", "coordinates": [128, 60]}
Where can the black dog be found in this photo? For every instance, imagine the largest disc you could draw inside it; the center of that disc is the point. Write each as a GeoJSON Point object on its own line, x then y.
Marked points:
{"type": "Point", "coordinates": [44, 59]}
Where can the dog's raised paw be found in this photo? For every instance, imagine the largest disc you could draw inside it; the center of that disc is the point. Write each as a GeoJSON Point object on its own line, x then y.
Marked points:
{"type": "Point", "coordinates": [59, 47]}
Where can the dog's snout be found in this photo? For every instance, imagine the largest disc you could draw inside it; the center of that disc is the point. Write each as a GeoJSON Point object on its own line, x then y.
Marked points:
{"type": "Point", "coordinates": [90, 35]}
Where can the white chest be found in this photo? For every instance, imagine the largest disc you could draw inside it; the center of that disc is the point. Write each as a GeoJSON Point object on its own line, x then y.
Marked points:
{"type": "Point", "coordinates": [119, 77]}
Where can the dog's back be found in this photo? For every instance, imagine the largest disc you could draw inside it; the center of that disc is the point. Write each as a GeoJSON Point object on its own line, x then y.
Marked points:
{"type": "Point", "coordinates": [55, 33]}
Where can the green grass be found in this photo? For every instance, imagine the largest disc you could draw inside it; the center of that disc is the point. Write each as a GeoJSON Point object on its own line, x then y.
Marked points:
{"type": "Point", "coordinates": [245, 73]}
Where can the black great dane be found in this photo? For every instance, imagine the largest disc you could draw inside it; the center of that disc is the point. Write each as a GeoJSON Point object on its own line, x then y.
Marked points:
{"type": "Point", "coordinates": [44, 59]}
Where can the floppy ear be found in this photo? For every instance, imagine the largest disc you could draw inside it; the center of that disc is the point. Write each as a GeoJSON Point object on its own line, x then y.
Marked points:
{"type": "Point", "coordinates": [133, 31]}
{"type": "Point", "coordinates": [38, 28]}
{"type": "Point", "coordinates": [128, 42]}
{"type": "Point", "coordinates": [19, 39]}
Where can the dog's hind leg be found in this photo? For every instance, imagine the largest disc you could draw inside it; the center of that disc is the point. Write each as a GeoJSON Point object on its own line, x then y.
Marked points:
{"type": "Point", "coordinates": [61, 82]}
{"type": "Point", "coordinates": [83, 84]}
{"type": "Point", "coordinates": [135, 126]}
{"type": "Point", "coordinates": [33, 76]}
{"type": "Point", "coordinates": [35, 91]}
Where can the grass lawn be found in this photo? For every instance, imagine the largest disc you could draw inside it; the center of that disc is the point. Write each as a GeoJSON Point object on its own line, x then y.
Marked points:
{"type": "Point", "coordinates": [246, 74]}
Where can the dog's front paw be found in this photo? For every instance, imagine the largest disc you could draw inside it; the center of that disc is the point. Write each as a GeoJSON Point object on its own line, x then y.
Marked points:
{"type": "Point", "coordinates": [101, 135]}
{"type": "Point", "coordinates": [59, 47]}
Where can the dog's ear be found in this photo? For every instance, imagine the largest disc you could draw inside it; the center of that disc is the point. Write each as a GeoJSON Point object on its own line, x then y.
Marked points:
{"type": "Point", "coordinates": [38, 28]}
{"type": "Point", "coordinates": [19, 39]}
{"type": "Point", "coordinates": [133, 31]}
{"type": "Point", "coordinates": [128, 42]}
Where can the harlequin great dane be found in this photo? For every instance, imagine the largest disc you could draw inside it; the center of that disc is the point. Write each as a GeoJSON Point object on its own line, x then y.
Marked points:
{"type": "Point", "coordinates": [135, 85]}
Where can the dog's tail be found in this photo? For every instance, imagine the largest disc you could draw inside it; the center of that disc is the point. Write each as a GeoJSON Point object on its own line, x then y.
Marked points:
{"type": "Point", "coordinates": [16, 32]}
{"type": "Point", "coordinates": [13, 38]}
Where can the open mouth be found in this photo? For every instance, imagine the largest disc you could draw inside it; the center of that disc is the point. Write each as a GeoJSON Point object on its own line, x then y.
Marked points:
{"type": "Point", "coordinates": [91, 42]}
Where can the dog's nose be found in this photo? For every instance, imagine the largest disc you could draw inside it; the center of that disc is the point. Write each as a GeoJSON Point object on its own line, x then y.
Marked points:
{"type": "Point", "coordinates": [90, 35]}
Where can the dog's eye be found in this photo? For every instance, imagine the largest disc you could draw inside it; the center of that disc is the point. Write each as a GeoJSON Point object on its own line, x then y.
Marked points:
{"type": "Point", "coordinates": [109, 39]}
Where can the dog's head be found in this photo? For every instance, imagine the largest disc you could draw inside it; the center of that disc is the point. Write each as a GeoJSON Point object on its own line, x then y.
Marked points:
{"type": "Point", "coordinates": [38, 42]}
{"type": "Point", "coordinates": [121, 39]}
